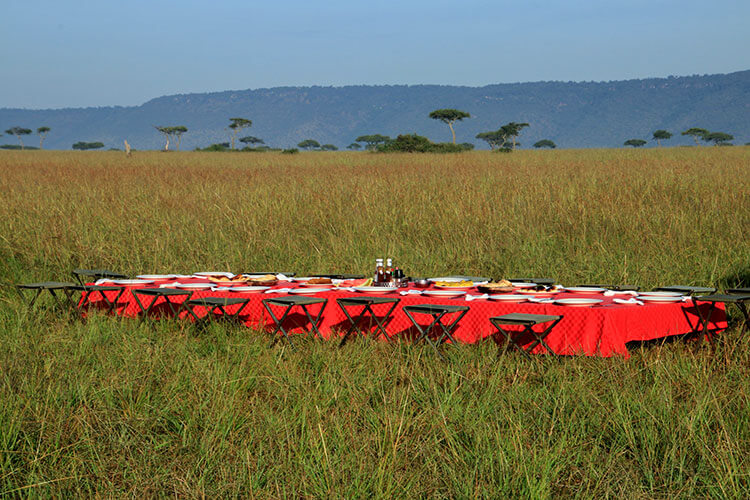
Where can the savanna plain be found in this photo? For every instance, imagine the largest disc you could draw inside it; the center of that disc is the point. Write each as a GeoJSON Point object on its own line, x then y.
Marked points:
{"type": "Point", "coordinates": [100, 408]}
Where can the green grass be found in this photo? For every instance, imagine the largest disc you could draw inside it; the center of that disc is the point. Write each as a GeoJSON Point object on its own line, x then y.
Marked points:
{"type": "Point", "coordinates": [105, 409]}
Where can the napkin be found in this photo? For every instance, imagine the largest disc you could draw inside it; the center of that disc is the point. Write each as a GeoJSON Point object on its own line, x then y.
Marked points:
{"type": "Point", "coordinates": [484, 296]}
{"type": "Point", "coordinates": [345, 289]}
{"type": "Point", "coordinates": [282, 277]}
{"type": "Point", "coordinates": [612, 293]}
{"type": "Point", "coordinates": [411, 292]}
{"type": "Point", "coordinates": [539, 300]}
{"type": "Point", "coordinates": [102, 281]}
{"type": "Point", "coordinates": [278, 290]}
{"type": "Point", "coordinates": [631, 300]}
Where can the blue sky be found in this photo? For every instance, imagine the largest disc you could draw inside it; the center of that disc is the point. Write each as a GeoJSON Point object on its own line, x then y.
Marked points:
{"type": "Point", "coordinates": [94, 53]}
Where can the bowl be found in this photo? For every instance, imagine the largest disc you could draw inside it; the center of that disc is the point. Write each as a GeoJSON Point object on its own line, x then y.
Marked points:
{"type": "Point", "coordinates": [421, 283]}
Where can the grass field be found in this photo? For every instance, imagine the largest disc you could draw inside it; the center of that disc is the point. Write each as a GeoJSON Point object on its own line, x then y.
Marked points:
{"type": "Point", "coordinates": [101, 409]}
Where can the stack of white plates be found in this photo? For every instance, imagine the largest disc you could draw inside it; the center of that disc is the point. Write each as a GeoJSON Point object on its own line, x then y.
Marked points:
{"type": "Point", "coordinates": [444, 293]}
{"type": "Point", "coordinates": [308, 290]}
{"type": "Point", "coordinates": [577, 302]}
{"type": "Point", "coordinates": [660, 296]}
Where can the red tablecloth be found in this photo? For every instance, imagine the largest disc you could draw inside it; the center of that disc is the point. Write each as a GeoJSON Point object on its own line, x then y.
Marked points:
{"type": "Point", "coordinates": [601, 330]}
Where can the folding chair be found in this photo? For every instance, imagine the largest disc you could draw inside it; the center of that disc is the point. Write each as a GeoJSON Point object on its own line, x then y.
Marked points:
{"type": "Point", "coordinates": [686, 290]}
{"type": "Point", "coordinates": [50, 286]}
{"type": "Point", "coordinates": [618, 288]}
{"type": "Point", "coordinates": [96, 274]}
{"type": "Point", "coordinates": [288, 303]}
{"type": "Point", "coordinates": [216, 308]}
{"type": "Point", "coordinates": [736, 299]}
{"type": "Point", "coordinates": [157, 293]}
{"type": "Point", "coordinates": [528, 321]}
{"type": "Point", "coordinates": [438, 312]}
{"type": "Point", "coordinates": [366, 303]}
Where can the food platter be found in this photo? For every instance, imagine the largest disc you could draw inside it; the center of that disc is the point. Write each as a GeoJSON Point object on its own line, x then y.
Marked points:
{"type": "Point", "coordinates": [308, 290]}
{"type": "Point", "coordinates": [375, 289]}
{"type": "Point", "coordinates": [444, 293]}
{"type": "Point", "coordinates": [509, 297]}
{"type": "Point", "coordinates": [659, 298]}
{"type": "Point", "coordinates": [132, 282]}
{"type": "Point", "coordinates": [574, 302]}
{"type": "Point", "coordinates": [456, 286]}
{"type": "Point", "coordinates": [585, 289]}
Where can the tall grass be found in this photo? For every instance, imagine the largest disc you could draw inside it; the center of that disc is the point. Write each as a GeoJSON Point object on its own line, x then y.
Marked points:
{"type": "Point", "coordinates": [104, 409]}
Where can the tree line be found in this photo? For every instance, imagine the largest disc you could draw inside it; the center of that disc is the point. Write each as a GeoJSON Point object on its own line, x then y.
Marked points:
{"type": "Point", "coordinates": [717, 138]}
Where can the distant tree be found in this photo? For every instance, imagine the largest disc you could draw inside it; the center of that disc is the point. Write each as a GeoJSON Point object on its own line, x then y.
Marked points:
{"type": "Point", "coordinates": [467, 146]}
{"type": "Point", "coordinates": [495, 139]}
{"type": "Point", "coordinates": [82, 146]}
{"type": "Point", "coordinates": [354, 146]}
{"type": "Point", "coordinates": [372, 141]}
{"type": "Point", "coordinates": [636, 143]}
{"type": "Point", "coordinates": [42, 131]}
{"type": "Point", "coordinates": [18, 132]}
{"type": "Point", "coordinates": [251, 140]}
{"type": "Point", "coordinates": [237, 125]}
{"type": "Point", "coordinates": [449, 116]}
{"type": "Point", "coordinates": [696, 133]}
{"type": "Point", "coordinates": [545, 143]}
{"type": "Point", "coordinates": [718, 138]}
{"type": "Point", "coordinates": [309, 144]}
{"type": "Point", "coordinates": [513, 130]}
{"type": "Point", "coordinates": [329, 147]}
{"type": "Point", "coordinates": [172, 133]}
{"type": "Point", "coordinates": [661, 135]}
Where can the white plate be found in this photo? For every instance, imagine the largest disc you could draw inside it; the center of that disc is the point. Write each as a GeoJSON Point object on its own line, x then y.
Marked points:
{"type": "Point", "coordinates": [443, 287]}
{"type": "Point", "coordinates": [523, 285]}
{"type": "Point", "coordinates": [510, 297]}
{"type": "Point", "coordinates": [247, 289]}
{"type": "Point", "coordinates": [194, 286]}
{"type": "Point", "coordinates": [585, 289]}
{"type": "Point", "coordinates": [577, 302]}
{"type": "Point", "coordinates": [659, 298]}
{"type": "Point", "coordinates": [156, 276]}
{"type": "Point", "coordinates": [375, 289]}
{"type": "Point", "coordinates": [131, 282]}
{"type": "Point", "coordinates": [302, 278]}
{"type": "Point", "coordinates": [659, 294]}
{"type": "Point", "coordinates": [213, 273]}
{"type": "Point", "coordinates": [318, 285]}
{"type": "Point", "coordinates": [308, 291]}
{"type": "Point", "coordinates": [538, 292]}
{"type": "Point", "coordinates": [444, 293]}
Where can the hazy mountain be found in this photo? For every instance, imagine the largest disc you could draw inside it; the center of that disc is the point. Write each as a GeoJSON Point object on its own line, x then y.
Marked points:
{"type": "Point", "coordinates": [573, 114]}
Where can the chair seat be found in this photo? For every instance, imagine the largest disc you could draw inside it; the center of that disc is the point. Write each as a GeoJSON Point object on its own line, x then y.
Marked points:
{"type": "Point", "coordinates": [523, 319]}
{"type": "Point", "coordinates": [739, 290]}
{"type": "Point", "coordinates": [216, 301]}
{"type": "Point", "coordinates": [361, 301]}
{"type": "Point", "coordinates": [98, 288]}
{"type": "Point", "coordinates": [435, 308]}
{"type": "Point", "coordinates": [295, 301]}
{"type": "Point", "coordinates": [719, 297]}
{"type": "Point", "coordinates": [161, 291]}
{"type": "Point", "coordinates": [101, 273]}
{"type": "Point", "coordinates": [686, 289]}
{"type": "Point", "coordinates": [47, 285]}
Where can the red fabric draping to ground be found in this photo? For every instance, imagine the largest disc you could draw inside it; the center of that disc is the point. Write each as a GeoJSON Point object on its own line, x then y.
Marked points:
{"type": "Point", "coordinates": [601, 330]}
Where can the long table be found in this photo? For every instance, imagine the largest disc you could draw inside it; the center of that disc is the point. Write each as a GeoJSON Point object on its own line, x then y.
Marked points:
{"type": "Point", "coordinates": [601, 330]}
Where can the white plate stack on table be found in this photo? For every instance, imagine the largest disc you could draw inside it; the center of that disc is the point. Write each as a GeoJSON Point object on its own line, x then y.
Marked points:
{"type": "Point", "coordinates": [661, 297]}
{"type": "Point", "coordinates": [575, 302]}
{"type": "Point", "coordinates": [307, 290]}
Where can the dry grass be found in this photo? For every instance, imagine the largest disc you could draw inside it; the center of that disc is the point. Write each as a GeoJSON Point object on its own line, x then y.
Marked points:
{"type": "Point", "coordinates": [99, 409]}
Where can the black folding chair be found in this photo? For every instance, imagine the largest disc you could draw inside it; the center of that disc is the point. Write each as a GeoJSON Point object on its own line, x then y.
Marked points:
{"type": "Point", "coordinates": [528, 321]}
{"type": "Point", "coordinates": [438, 312]}
{"type": "Point", "coordinates": [156, 294]}
{"type": "Point", "coordinates": [52, 287]}
{"type": "Point", "coordinates": [366, 303]}
{"type": "Point", "coordinates": [617, 288]}
{"type": "Point", "coordinates": [83, 275]}
{"type": "Point", "coordinates": [737, 299]}
{"type": "Point", "coordinates": [288, 303]}
{"type": "Point", "coordinates": [88, 292]}
{"type": "Point", "coordinates": [686, 290]}
{"type": "Point", "coordinates": [536, 281]}
{"type": "Point", "coordinates": [216, 308]}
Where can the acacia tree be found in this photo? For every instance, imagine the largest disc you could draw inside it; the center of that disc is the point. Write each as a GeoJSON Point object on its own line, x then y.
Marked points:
{"type": "Point", "coordinates": [83, 146]}
{"type": "Point", "coordinates": [18, 132]}
{"type": "Point", "coordinates": [237, 125]}
{"type": "Point", "coordinates": [329, 147]}
{"type": "Point", "coordinates": [354, 146]}
{"type": "Point", "coordinates": [661, 135]}
{"type": "Point", "coordinates": [696, 133]}
{"type": "Point", "coordinates": [42, 131]}
{"type": "Point", "coordinates": [372, 141]}
{"type": "Point", "coordinates": [636, 143]}
{"type": "Point", "coordinates": [718, 138]}
{"type": "Point", "coordinates": [172, 133]}
{"type": "Point", "coordinates": [309, 144]}
{"type": "Point", "coordinates": [495, 139]}
{"type": "Point", "coordinates": [545, 143]}
{"type": "Point", "coordinates": [513, 130]}
{"type": "Point", "coordinates": [449, 116]}
{"type": "Point", "coordinates": [251, 140]}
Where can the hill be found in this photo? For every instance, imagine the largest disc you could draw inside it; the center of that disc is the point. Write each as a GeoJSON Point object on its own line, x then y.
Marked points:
{"type": "Point", "coordinates": [573, 114]}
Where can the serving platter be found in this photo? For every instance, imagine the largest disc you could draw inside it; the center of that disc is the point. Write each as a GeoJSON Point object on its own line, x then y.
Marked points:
{"type": "Point", "coordinates": [659, 294]}
{"type": "Point", "coordinates": [523, 285]}
{"type": "Point", "coordinates": [659, 298]}
{"type": "Point", "coordinates": [575, 302]}
{"type": "Point", "coordinates": [454, 287]}
{"type": "Point", "coordinates": [194, 286]}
